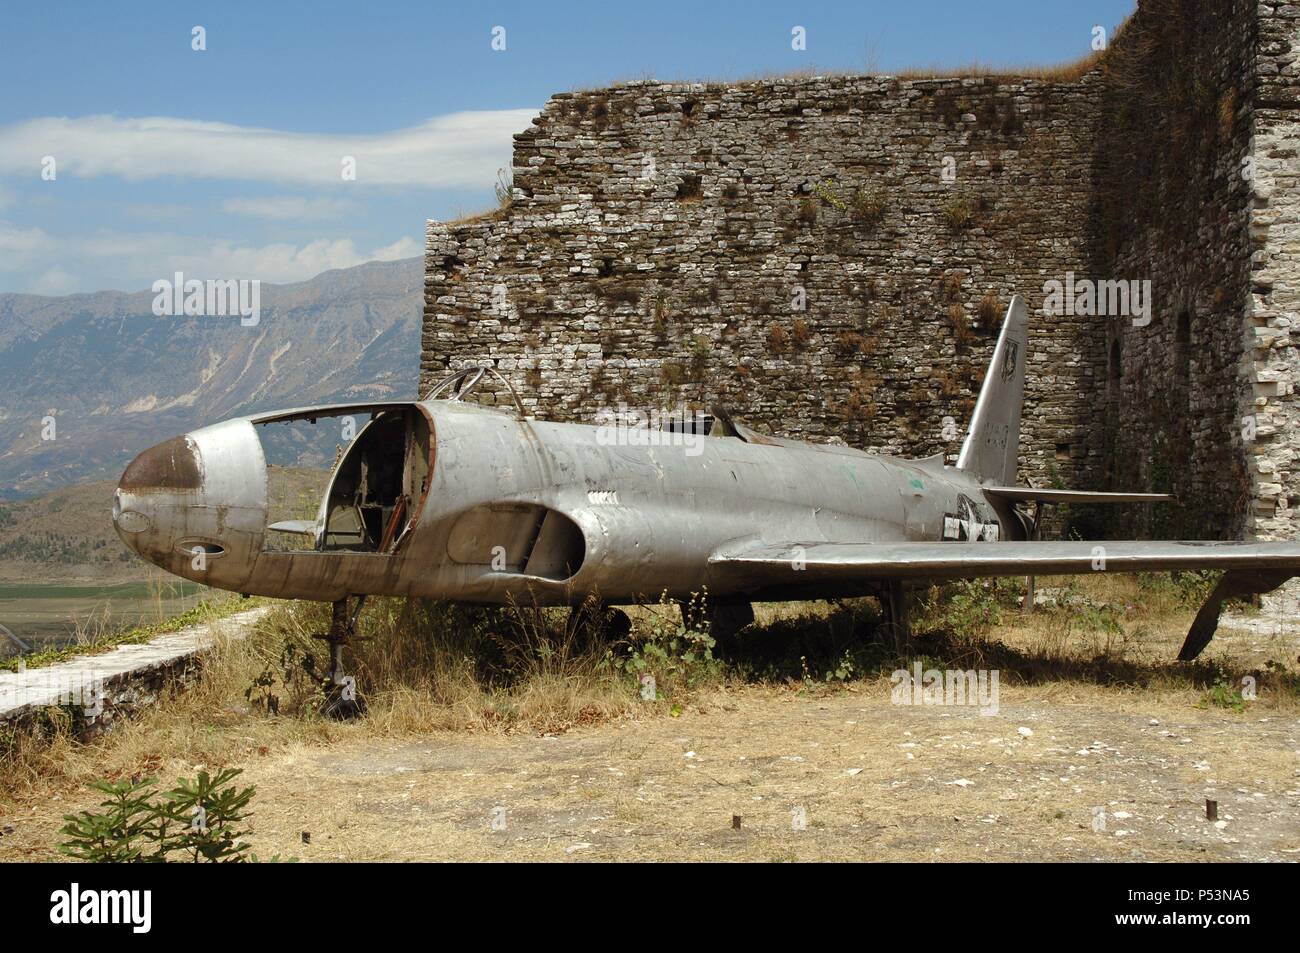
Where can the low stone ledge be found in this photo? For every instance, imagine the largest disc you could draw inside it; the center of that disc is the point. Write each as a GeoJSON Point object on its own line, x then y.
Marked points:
{"type": "Point", "coordinates": [100, 689]}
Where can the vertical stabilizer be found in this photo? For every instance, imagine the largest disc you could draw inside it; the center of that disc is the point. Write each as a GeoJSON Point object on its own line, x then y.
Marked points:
{"type": "Point", "coordinates": [993, 440]}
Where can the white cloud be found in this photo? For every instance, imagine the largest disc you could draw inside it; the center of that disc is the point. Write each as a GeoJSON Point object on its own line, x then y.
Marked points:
{"type": "Point", "coordinates": [288, 208]}
{"type": "Point", "coordinates": [281, 262]}
{"type": "Point", "coordinates": [19, 245]}
{"type": "Point", "coordinates": [55, 281]}
{"type": "Point", "coordinates": [458, 150]}
{"type": "Point", "coordinates": [402, 248]}
{"type": "Point", "coordinates": [60, 265]}
{"type": "Point", "coordinates": [159, 211]}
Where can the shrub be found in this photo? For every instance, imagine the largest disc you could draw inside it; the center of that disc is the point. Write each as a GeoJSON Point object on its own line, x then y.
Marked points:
{"type": "Point", "coordinates": [966, 607]}
{"type": "Point", "coordinates": [1224, 694]}
{"type": "Point", "coordinates": [868, 206]}
{"type": "Point", "coordinates": [988, 310]}
{"type": "Point", "coordinates": [961, 331]}
{"type": "Point", "coordinates": [504, 188]}
{"type": "Point", "coordinates": [198, 821]}
{"type": "Point", "coordinates": [959, 214]}
{"type": "Point", "coordinates": [678, 657]}
{"type": "Point", "coordinates": [826, 192]}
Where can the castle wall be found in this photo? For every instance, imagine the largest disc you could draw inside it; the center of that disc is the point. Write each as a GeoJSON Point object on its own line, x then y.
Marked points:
{"type": "Point", "coordinates": [1173, 207]}
{"type": "Point", "coordinates": [792, 248]}
{"type": "Point", "coordinates": [831, 257]}
{"type": "Point", "coordinates": [1273, 306]}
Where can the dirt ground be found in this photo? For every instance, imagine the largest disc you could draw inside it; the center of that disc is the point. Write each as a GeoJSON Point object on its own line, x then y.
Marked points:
{"type": "Point", "coordinates": [1112, 762]}
{"type": "Point", "coordinates": [838, 774]}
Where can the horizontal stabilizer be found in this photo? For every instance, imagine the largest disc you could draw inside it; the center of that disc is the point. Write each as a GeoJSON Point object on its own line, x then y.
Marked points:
{"type": "Point", "coordinates": [1045, 495]}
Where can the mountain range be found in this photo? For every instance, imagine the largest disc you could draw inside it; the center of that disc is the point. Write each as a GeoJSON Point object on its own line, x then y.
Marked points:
{"type": "Point", "coordinates": [116, 378]}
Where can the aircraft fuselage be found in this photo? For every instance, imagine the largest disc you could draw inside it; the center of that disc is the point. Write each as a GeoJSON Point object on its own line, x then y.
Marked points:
{"type": "Point", "coordinates": [451, 500]}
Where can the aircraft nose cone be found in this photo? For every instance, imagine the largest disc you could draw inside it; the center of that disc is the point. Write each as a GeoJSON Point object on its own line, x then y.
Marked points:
{"type": "Point", "coordinates": [154, 488]}
{"type": "Point", "coordinates": [171, 465]}
{"type": "Point", "coordinates": [196, 504]}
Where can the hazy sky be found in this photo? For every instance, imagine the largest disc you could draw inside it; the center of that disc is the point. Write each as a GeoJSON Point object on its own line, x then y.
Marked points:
{"type": "Point", "coordinates": [226, 162]}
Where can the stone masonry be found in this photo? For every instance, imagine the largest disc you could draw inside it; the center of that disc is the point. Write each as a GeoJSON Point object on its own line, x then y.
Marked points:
{"type": "Point", "coordinates": [1273, 305]}
{"type": "Point", "coordinates": [832, 257]}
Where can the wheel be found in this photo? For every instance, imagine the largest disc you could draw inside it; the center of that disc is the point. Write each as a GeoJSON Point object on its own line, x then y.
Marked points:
{"type": "Point", "coordinates": [592, 625]}
{"type": "Point", "coordinates": [343, 702]}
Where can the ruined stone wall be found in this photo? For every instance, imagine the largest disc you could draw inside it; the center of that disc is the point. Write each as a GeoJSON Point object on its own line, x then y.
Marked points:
{"type": "Point", "coordinates": [827, 257]}
{"type": "Point", "coordinates": [1273, 305]}
{"type": "Point", "coordinates": [1174, 195]}
{"type": "Point", "coordinates": [794, 249]}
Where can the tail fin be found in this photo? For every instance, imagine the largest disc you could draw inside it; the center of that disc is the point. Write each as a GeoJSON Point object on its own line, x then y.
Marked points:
{"type": "Point", "coordinates": [993, 441]}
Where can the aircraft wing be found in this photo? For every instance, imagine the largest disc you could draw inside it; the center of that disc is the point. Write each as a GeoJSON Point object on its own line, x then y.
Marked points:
{"type": "Point", "coordinates": [959, 560]}
{"type": "Point", "coordinates": [1249, 567]}
{"type": "Point", "coordinates": [1047, 495]}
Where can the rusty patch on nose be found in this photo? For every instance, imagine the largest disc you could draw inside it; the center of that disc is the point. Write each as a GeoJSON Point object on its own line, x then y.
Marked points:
{"type": "Point", "coordinates": [172, 465]}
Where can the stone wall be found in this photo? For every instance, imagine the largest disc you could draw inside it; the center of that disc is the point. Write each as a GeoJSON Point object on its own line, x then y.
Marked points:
{"type": "Point", "coordinates": [832, 257]}
{"type": "Point", "coordinates": [1176, 90]}
{"type": "Point", "coordinates": [827, 257]}
{"type": "Point", "coordinates": [1273, 304]}
{"type": "Point", "coordinates": [1196, 184]}
{"type": "Point", "coordinates": [92, 693]}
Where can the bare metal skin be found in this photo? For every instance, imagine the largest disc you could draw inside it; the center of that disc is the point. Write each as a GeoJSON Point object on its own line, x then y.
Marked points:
{"type": "Point", "coordinates": [450, 500]}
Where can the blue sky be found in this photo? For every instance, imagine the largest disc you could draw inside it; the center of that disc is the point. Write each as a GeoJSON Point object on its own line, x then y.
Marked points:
{"type": "Point", "coordinates": [226, 162]}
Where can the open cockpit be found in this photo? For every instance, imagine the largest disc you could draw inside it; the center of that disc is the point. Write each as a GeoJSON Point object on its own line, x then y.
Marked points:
{"type": "Point", "coordinates": [377, 487]}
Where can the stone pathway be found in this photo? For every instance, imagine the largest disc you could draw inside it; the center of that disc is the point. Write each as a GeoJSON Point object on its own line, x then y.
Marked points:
{"type": "Point", "coordinates": [124, 675]}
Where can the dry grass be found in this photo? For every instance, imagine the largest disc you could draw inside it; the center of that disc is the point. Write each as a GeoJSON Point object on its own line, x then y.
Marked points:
{"type": "Point", "coordinates": [476, 695]}
{"type": "Point", "coordinates": [959, 214]}
{"type": "Point", "coordinates": [988, 311]}
{"type": "Point", "coordinates": [428, 667]}
{"type": "Point", "coordinates": [1067, 72]}
{"type": "Point", "coordinates": [961, 330]}
{"type": "Point", "coordinates": [462, 217]}
{"type": "Point", "coordinates": [98, 631]}
{"type": "Point", "coordinates": [869, 207]}
{"type": "Point", "coordinates": [1109, 632]}
{"type": "Point", "coordinates": [778, 339]}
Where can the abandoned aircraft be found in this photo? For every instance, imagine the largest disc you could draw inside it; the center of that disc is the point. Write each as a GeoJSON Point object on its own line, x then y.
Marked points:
{"type": "Point", "coordinates": [447, 499]}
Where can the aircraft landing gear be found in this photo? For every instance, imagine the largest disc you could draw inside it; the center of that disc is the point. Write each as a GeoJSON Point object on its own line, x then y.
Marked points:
{"type": "Point", "coordinates": [592, 623]}
{"type": "Point", "coordinates": [897, 627]}
{"type": "Point", "coordinates": [724, 621]}
{"type": "Point", "coordinates": [342, 701]}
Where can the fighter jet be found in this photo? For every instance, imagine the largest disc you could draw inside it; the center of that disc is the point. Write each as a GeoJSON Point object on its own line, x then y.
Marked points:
{"type": "Point", "coordinates": [450, 499]}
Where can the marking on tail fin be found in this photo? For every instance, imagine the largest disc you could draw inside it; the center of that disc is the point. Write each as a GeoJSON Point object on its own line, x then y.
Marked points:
{"type": "Point", "coordinates": [1010, 360]}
